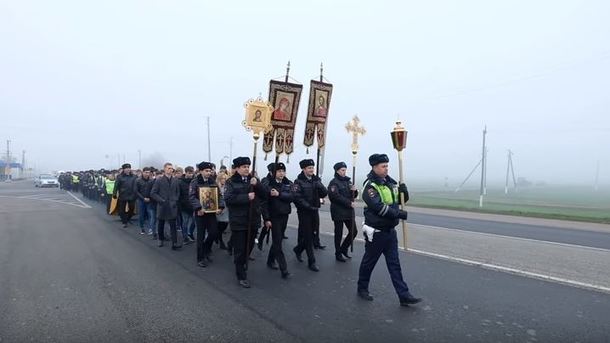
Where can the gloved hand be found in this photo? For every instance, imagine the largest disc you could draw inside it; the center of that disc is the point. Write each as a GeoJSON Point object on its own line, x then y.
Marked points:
{"type": "Point", "coordinates": [402, 188]}
{"type": "Point", "coordinates": [403, 215]}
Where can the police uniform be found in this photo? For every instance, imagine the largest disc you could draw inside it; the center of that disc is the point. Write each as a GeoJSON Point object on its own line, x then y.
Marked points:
{"type": "Point", "coordinates": [381, 215]}
{"type": "Point", "coordinates": [307, 192]}
{"type": "Point", "coordinates": [278, 208]}
{"type": "Point", "coordinates": [341, 211]}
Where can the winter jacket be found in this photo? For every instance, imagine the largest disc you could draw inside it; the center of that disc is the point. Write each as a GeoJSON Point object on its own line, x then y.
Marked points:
{"type": "Point", "coordinates": [308, 192]}
{"type": "Point", "coordinates": [341, 198]}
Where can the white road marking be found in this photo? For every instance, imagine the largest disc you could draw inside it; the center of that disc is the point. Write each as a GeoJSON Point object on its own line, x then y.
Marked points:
{"type": "Point", "coordinates": [509, 270]}
{"type": "Point", "coordinates": [79, 205]}
{"type": "Point", "coordinates": [77, 199]}
{"type": "Point", "coordinates": [512, 237]}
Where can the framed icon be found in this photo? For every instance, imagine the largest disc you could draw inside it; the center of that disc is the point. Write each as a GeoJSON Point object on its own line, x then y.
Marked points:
{"type": "Point", "coordinates": [208, 198]}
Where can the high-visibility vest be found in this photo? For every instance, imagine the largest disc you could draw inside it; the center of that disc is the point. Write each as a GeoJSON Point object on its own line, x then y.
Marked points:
{"type": "Point", "coordinates": [75, 179]}
{"type": "Point", "coordinates": [389, 196]}
{"type": "Point", "coordinates": [109, 186]}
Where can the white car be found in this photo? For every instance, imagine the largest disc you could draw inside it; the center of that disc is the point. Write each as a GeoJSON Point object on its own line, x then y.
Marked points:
{"type": "Point", "coordinates": [46, 180]}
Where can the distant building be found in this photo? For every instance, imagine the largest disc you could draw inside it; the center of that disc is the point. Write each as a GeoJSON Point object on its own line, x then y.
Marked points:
{"type": "Point", "coordinates": [9, 173]}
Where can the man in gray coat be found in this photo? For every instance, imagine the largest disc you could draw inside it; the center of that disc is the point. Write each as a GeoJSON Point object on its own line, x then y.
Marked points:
{"type": "Point", "coordinates": [166, 192]}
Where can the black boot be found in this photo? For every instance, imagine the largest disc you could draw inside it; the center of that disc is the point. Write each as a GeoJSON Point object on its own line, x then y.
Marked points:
{"type": "Point", "coordinates": [340, 258]}
{"type": "Point", "coordinates": [409, 299]}
{"type": "Point", "coordinates": [299, 258]}
{"type": "Point", "coordinates": [365, 295]}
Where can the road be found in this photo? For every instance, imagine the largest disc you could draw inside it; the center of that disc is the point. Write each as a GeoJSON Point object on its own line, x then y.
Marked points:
{"type": "Point", "coordinates": [592, 235]}
{"type": "Point", "coordinates": [70, 273]}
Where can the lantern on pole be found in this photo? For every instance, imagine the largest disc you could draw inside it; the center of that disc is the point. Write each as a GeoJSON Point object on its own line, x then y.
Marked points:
{"type": "Point", "coordinates": [399, 141]}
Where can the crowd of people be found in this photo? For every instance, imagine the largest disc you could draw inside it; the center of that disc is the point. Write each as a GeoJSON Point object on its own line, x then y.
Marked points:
{"type": "Point", "coordinates": [255, 209]}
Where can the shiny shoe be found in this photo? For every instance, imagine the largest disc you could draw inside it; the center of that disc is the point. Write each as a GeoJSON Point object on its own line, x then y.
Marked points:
{"type": "Point", "coordinates": [202, 264]}
{"type": "Point", "coordinates": [272, 266]}
{"type": "Point", "coordinates": [340, 258]}
{"type": "Point", "coordinates": [346, 255]}
{"type": "Point", "coordinates": [314, 268]}
{"type": "Point", "coordinates": [176, 247]}
{"type": "Point", "coordinates": [244, 283]}
{"type": "Point", "coordinates": [286, 275]}
{"type": "Point", "coordinates": [365, 295]}
{"type": "Point", "coordinates": [409, 300]}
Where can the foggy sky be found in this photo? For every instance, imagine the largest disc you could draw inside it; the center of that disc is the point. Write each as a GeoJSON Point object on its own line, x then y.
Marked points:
{"type": "Point", "coordinates": [80, 80]}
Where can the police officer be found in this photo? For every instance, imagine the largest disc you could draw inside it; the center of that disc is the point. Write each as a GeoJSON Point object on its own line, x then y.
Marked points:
{"type": "Point", "coordinates": [342, 193]}
{"type": "Point", "coordinates": [279, 199]}
{"type": "Point", "coordinates": [307, 192]}
{"type": "Point", "coordinates": [243, 197]}
{"type": "Point", "coordinates": [381, 215]}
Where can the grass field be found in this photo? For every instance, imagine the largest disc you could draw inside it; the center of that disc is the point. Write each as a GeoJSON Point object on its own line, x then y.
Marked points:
{"type": "Point", "coordinates": [556, 202]}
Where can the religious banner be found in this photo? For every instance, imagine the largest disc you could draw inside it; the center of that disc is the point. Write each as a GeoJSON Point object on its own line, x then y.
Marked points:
{"type": "Point", "coordinates": [285, 98]}
{"type": "Point", "coordinates": [319, 101]}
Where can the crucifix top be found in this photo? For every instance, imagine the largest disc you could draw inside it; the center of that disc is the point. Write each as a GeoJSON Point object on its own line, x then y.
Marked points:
{"type": "Point", "coordinates": [354, 127]}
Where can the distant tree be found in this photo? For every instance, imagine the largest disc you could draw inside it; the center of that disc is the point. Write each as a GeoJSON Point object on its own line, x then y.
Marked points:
{"type": "Point", "coordinates": [523, 182]}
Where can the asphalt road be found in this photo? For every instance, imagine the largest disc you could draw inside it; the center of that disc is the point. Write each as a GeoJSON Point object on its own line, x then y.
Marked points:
{"type": "Point", "coordinates": [69, 273]}
{"type": "Point", "coordinates": [575, 235]}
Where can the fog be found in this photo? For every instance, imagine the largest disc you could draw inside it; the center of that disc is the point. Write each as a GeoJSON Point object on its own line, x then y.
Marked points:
{"type": "Point", "coordinates": [83, 83]}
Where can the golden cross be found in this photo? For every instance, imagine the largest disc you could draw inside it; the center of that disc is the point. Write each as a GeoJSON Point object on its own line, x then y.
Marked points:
{"type": "Point", "coordinates": [353, 127]}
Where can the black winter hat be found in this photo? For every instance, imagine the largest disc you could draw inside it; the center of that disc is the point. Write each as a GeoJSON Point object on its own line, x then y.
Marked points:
{"type": "Point", "coordinates": [240, 161]}
{"type": "Point", "coordinates": [375, 159]}
{"type": "Point", "coordinates": [204, 165]}
{"type": "Point", "coordinates": [279, 166]}
{"type": "Point", "coordinates": [339, 165]}
{"type": "Point", "coordinates": [125, 166]}
{"type": "Point", "coordinates": [270, 167]}
{"type": "Point", "coordinates": [306, 163]}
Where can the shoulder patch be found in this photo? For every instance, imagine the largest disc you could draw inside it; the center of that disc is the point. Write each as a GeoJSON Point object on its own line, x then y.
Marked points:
{"type": "Point", "coordinates": [333, 189]}
{"type": "Point", "coordinates": [295, 187]}
{"type": "Point", "coordinates": [372, 192]}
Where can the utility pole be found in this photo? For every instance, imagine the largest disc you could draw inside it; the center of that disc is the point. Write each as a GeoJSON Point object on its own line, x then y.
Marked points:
{"type": "Point", "coordinates": [22, 163]}
{"type": "Point", "coordinates": [511, 170]}
{"type": "Point", "coordinates": [483, 167]}
{"type": "Point", "coordinates": [596, 188]}
{"type": "Point", "coordinates": [8, 159]}
{"type": "Point", "coordinates": [209, 145]}
{"type": "Point", "coordinates": [231, 150]}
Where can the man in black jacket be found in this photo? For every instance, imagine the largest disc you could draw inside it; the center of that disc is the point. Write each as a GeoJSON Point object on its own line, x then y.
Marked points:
{"type": "Point", "coordinates": [143, 187]}
{"type": "Point", "coordinates": [205, 222]}
{"type": "Point", "coordinates": [342, 193]}
{"type": "Point", "coordinates": [185, 206]}
{"type": "Point", "coordinates": [125, 186]}
{"type": "Point", "coordinates": [166, 192]}
{"type": "Point", "coordinates": [243, 197]}
{"type": "Point", "coordinates": [279, 198]}
{"type": "Point", "coordinates": [307, 191]}
{"type": "Point", "coordinates": [265, 182]}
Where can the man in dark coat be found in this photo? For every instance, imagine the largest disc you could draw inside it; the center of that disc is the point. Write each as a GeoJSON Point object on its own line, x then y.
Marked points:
{"type": "Point", "coordinates": [143, 188]}
{"type": "Point", "coordinates": [185, 205]}
{"type": "Point", "coordinates": [278, 205]}
{"type": "Point", "coordinates": [342, 193]}
{"type": "Point", "coordinates": [125, 186]}
{"type": "Point", "coordinates": [265, 182]}
{"type": "Point", "coordinates": [307, 192]}
{"type": "Point", "coordinates": [243, 197]}
{"type": "Point", "coordinates": [205, 222]}
{"type": "Point", "coordinates": [166, 192]}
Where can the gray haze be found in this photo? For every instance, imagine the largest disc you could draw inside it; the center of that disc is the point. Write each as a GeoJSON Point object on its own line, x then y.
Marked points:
{"type": "Point", "coordinates": [80, 80]}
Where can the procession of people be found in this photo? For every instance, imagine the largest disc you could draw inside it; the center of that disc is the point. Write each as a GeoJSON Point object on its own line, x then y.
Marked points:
{"type": "Point", "coordinates": [251, 209]}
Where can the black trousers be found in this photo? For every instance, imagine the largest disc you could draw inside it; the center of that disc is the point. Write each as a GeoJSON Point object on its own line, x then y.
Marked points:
{"type": "Point", "coordinates": [222, 227]}
{"type": "Point", "coordinates": [126, 216]}
{"type": "Point", "coordinates": [172, 230]}
{"type": "Point", "coordinates": [242, 247]}
{"type": "Point", "coordinates": [316, 234]}
{"type": "Point", "coordinates": [278, 226]}
{"type": "Point", "coordinates": [351, 234]}
{"type": "Point", "coordinates": [205, 224]}
{"type": "Point", "coordinates": [308, 221]}
{"type": "Point", "coordinates": [108, 202]}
